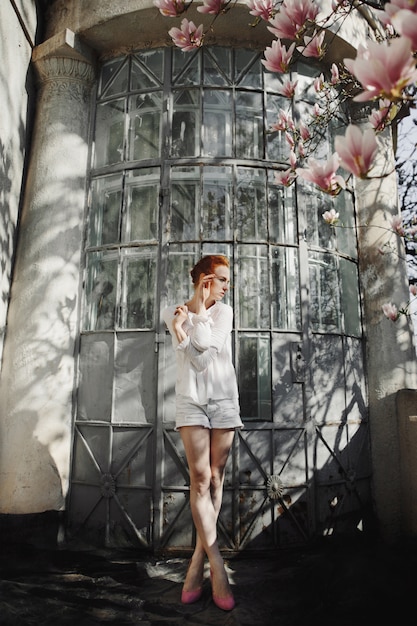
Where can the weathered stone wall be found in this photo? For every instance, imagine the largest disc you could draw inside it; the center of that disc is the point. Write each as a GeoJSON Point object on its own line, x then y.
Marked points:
{"type": "Point", "coordinates": [18, 26]}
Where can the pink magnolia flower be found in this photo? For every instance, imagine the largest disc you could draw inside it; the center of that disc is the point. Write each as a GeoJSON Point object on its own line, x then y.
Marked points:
{"type": "Point", "coordinates": [319, 83]}
{"type": "Point", "coordinates": [301, 149]}
{"type": "Point", "coordinates": [397, 225]}
{"type": "Point", "coordinates": [384, 71]}
{"type": "Point", "coordinates": [331, 217]}
{"type": "Point", "coordinates": [188, 37]}
{"type": "Point", "coordinates": [264, 9]}
{"type": "Point", "coordinates": [334, 74]}
{"type": "Point", "coordinates": [379, 119]}
{"type": "Point", "coordinates": [288, 88]}
{"type": "Point", "coordinates": [405, 23]}
{"type": "Point", "coordinates": [390, 311]}
{"type": "Point", "coordinates": [413, 290]}
{"type": "Point", "coordinates": [214, 7]}
{"type": "Point", "coordinates": [293, 159]}
{"type": "Point", "coordinates": [277, 57]}
{"type": "Point", "coordinates": [304, 131]}
{"type": "Point", "coordinates": [323, 174]}
{"type": "Point", "coordinates": [357, 150]}
{"type": "Point", "coordinates": [285, 178]}
{"type": "Point", "coordinates": [283, 27]}
{"type": "Point", "coordinates": [301, 11]}
{"type": "Point", "coordinates": [290, 139]}
{"type": "Point", "coordinates": [284, 121]}
{"type": "Point", "coordinates": [170, 8]}
{"type": "Point", "coordinates": [313, 46]}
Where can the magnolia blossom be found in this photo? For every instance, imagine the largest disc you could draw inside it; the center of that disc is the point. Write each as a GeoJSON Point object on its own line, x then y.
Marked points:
{"type": "Point", "coordinates": [413, 290]}
{"type": "Point", "coordinates": [319, 83]}
{"type": "Point", "coordinates": [331, 217]}
{"type": "Point", "coordinates": [379, 119]}
{"type": "Point", "coordinates": [264, 9]}
{"type": "Point", "coordinates": [293, 17]}
{"type": "Point", "coordinates": [397, 225]}
{"type": "Point", "coordinates": [384, 71]}
{"type": "Point", "coordinates": [285, 178]}
{"type": "Point", "coordinates": [335, 74]}
{"type": "Point", "coordinates": [284, 121]}
{"type": "Point", "coordinates": [170, 8]}
{"type": "Point", "coordinates": [277, 57]}
{"type": "Point", "coordinates": [289, 139]}
{"type": "Point", "coordinates": [323, 174]}
{"type": "Point", "coordinates": [288, 88]}
{"type": "Point", "coordinates": [313, 46]}
{"type": "Point", "coordinates": [215, 7]}
{"type": "Point", "coordinates": [357, 150]}
{"type": "Point", "coordinates": [390, 311]}
{"type": "Point", "coordinates": [188, 37]}
{"type": "Point", "coordinates": [304, 131]}
{"type": "Point", "coordinates": [301, 149]}
{"type": "Point", "coordinates": [405, 23]}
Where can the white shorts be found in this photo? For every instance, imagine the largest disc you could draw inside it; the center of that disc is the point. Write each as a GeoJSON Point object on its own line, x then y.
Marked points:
{"type": "Point", "coordinates": [224, 413]}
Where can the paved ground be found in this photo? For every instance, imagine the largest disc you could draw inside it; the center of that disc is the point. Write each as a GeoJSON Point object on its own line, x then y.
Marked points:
{"type": "Point", "coordinates": [350, 584]}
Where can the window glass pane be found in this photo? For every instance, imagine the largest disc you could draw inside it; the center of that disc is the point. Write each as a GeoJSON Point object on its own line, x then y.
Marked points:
{"type": "Point", "coordinates": [141, 78]}
{"type": "Point", "coordinates": [217, 123]}
{"type": "Point", "coordinates": [217, 66]}
{"type": "Point", "coordinates": [350, 297]}
{"type": "Point", "coordinates": [251, 204]}
{"type": "Point", "coordinates": [249, 125]}
{"type": "Point", "coordinates": [186, 124]}
{"type": "Point", "coordinates": [217, 202]}
{"type": "Point", "coordinates": [145, 125]}
{"type": "Point", "coordinates": [253, 289]}
{"type": "Point", "coordinates": [282, 212]}
{"type": "Point", "coordinates": [142, 189]}
{"type": "Point", "coordinates": [181, 260]}
{"type": "Point", "coordinates": [254, 376]}
{"type": "Point", "coordinates": [315, 202]}
{"type": "Point", "coordinates": [114, 78]}
{"type": "Point", "coordinates": [286, 289]}
{"type": "Point", "coordinates": [345, 232]}
{"type": "Point", "coordinates": [248, 69]}
{"type": "Point", "coordinates": [139, 287]}
{"type": "Point", "coordinates": [101, 289]}
{"type": "Point", "coordinates": [324, 292]}
{"type": "Point", "coordinates": [186, 68]}
{"type": "Point", "coordinates": [276, 145]}
{"type": "Point", "coordinates": [104, 212]}
{"type": "Point", "coordinates": [185, 203]}
{"type": "Point", "coordinates": [109, 133]}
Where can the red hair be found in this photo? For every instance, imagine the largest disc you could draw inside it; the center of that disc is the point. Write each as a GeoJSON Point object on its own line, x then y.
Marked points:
{"type": "Point", "coordinates": [207, 265]}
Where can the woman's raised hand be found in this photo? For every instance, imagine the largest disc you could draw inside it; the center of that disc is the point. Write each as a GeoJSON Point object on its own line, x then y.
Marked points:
{"type": "Point", "coordinates": [203, 288]}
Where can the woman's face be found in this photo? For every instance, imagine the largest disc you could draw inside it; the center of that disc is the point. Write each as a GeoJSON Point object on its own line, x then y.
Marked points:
{"type": "Point", "coordinates": [220, 283]}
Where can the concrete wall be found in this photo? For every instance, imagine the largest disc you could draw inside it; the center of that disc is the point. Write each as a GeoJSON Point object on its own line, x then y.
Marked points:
{"type": "Point", "coordinates": [18, 27]}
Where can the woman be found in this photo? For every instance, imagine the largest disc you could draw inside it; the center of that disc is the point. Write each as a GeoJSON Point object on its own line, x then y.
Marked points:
{"type": "Point", "coordinates": [207, 413]}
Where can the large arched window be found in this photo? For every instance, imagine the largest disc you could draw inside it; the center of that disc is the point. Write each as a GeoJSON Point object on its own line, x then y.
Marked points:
{"type": "Point", "coordinates": [183, 165]}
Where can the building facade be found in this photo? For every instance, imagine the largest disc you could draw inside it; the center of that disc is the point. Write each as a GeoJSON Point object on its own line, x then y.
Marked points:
{"type": "Point", "coordinates": [142, 158]}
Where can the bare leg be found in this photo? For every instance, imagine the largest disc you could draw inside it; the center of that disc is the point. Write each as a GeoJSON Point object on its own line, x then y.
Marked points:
{"type": "Point", "coordinates": [207, 453]}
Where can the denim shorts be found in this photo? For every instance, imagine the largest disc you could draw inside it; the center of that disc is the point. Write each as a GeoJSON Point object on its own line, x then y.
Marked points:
{"type": "Point", "coordinates": [224, 413]}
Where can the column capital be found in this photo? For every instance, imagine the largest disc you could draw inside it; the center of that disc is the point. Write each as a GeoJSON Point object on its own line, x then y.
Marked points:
{"type": "Point", "coordinates": [65, 64]}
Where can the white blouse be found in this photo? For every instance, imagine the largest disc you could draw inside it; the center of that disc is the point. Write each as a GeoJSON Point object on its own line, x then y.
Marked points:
{"type": "Point", "coordinates": [204, 358]}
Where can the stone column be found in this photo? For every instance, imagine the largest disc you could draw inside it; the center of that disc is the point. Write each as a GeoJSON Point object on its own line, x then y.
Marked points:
{"type": "Point", "coordinates": [38, 377]}
{"type": "Point", "coordinates": [390, 354]}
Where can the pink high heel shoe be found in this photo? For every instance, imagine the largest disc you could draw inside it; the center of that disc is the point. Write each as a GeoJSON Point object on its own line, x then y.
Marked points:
{"type": "Point", "coordinates": [226, 604]}
{"type": "Point", "coordinates": [189, 597]}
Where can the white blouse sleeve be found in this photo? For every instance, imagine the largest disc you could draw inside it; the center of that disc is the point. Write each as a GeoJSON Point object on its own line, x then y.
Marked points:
{"type": "Point", "coordinates": [216, 335]}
